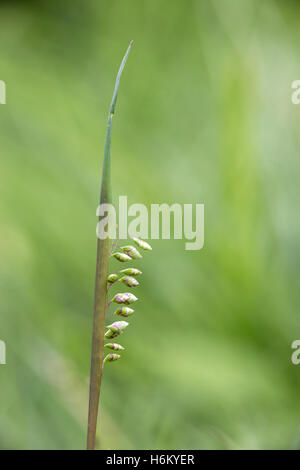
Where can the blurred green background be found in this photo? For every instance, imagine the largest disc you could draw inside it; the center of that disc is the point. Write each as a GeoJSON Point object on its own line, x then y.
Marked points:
{"type": "Point", "coordinates": [204, 115]}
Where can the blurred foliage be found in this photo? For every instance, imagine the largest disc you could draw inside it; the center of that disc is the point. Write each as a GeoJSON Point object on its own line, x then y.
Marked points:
{"type": "Point", "coordinates": [204, 115]}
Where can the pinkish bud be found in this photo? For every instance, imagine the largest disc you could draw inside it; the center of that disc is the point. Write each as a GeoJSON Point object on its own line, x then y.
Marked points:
{"type": "Point", "coordinates": [111, 334]}
{"type": "Point", "coordinates": [111, 357]}
{"type": "Point", "coordinates": [115, 346]}
{"type": "Point", "coordinates": [126, 298]}
{"type": "Point", "coordinates": [121, 257]}
{"type": "Point", "coordinates": [118, 326]}
{"type": "Point", "coordinates": [129, 281]}
{"type": "Point", "coordinates": [131, 251]}
{"type": "Point", "coordinates": [142, 244]}
{"type": "Point", "coordinates": [124, 311]}
{"type": "Point", "coordinates": [131, 272]}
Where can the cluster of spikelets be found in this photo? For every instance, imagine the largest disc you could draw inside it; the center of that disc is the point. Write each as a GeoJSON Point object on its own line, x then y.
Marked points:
{"type": "Point", "coordinates": [128, 277]}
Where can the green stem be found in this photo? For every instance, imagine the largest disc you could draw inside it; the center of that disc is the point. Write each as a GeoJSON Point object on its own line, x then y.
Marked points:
{"type": "Point", "coordinates": [103, 255]}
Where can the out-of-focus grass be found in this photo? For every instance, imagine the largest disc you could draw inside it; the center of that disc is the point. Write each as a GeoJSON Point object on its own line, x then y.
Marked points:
{"type": "Point", "coordinates": [204, 116]}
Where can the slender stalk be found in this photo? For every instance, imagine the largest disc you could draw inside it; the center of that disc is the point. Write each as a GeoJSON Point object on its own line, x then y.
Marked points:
{"type": "Point", "coordinates": [103, 255]}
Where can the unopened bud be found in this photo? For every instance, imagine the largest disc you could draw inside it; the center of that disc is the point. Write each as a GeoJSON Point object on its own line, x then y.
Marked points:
{"type": "Point", "coordinates": [115, 346]}
{"type": "Point", "coordinates": [142, 244]}
{"type": "Point", "coordinates": [124, 311]}
{"type": "Point", "coordinates": [118, 326]}
{"type": "Point", "coordinates": [112, 278]}
{"type": "Point", "coordinates": [131, 271]}
{"type": "Point", "coordinates": [121, 257]}
{"type": "Point", "coordinates": [131, 251]}
{"type": "Point", "coordinates": [126, 298]}
{"type": "Point", "coordinates": [129, 281]}
{"type": "Point", "coordinates": [111, 357]}
{"type": "Point", "coordinates": [111, 334]}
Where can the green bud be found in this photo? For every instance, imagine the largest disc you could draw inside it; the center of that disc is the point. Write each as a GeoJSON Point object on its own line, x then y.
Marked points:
{"type": "Point", "coordinates": [131, 271]}
{"type": "Point", "coordinates": [131, 251]}
{"type": "Point", "coordinates": [121, 257]}
{"type": "Point", "coordinates": [111, 357]}
{"type": "Point", "coordinates": [142, 244]}
{"type": "Point", "coordinates": [129, 281]}
{"type": "Point", "coordinates": [112, 278]}
{"type": "Point", "coordinates": [126, 298]}
{"type": "Point", "coordinates": [118, 326]}
{"type": "Point", "coordinates": [115, 346]}
{"type": "Point", "coordinates": [124, 311]}
{"type": "Point", "coordinates": [111, 334]}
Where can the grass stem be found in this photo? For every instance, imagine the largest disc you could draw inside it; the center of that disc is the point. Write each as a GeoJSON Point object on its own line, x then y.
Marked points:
{"type": "Point", "coordinates": [103, 255]}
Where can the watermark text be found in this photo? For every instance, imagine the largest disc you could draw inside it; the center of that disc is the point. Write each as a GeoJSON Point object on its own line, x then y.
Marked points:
{"type": "Point", "coordinates": [163, 221]}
